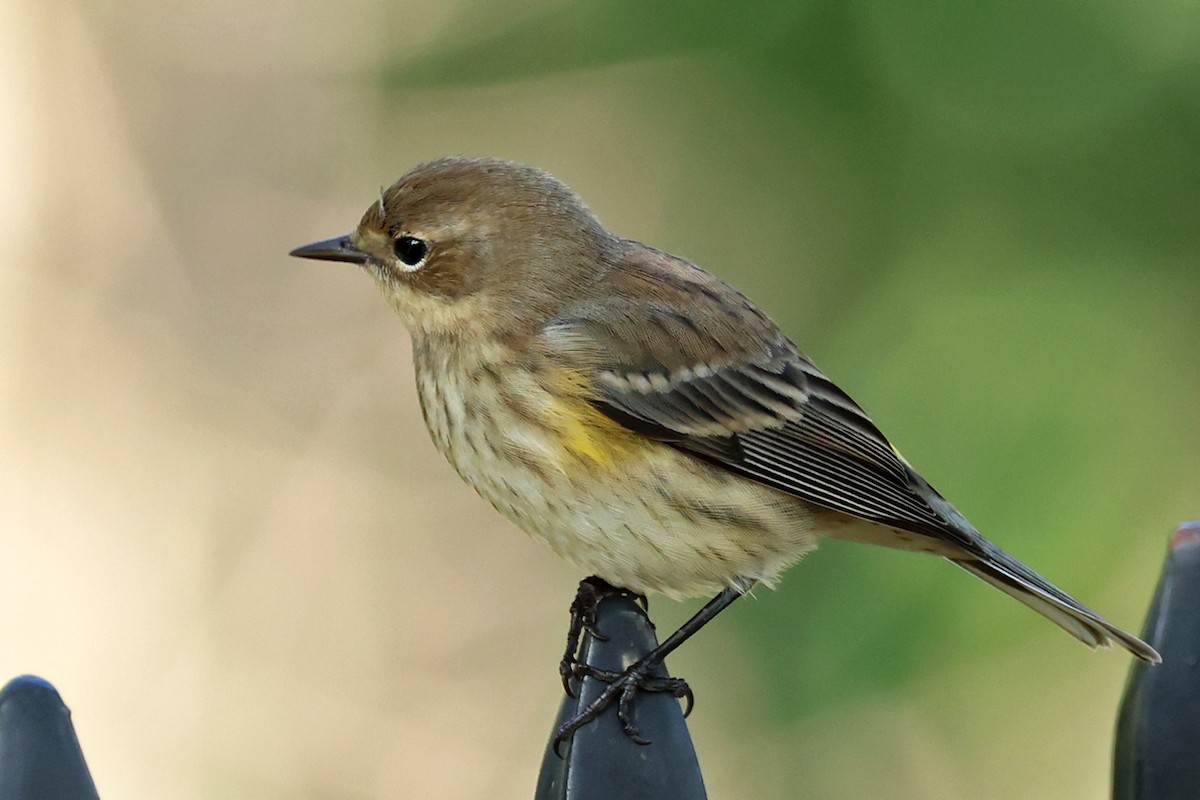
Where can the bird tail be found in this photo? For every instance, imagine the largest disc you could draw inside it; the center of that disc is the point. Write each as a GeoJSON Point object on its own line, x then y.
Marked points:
{"type": "Point", "coordinates": [1017, 580]}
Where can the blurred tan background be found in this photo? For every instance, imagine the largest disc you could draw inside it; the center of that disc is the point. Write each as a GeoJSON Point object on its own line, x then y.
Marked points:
{"type": "Point", "coordinates": [229, 543]}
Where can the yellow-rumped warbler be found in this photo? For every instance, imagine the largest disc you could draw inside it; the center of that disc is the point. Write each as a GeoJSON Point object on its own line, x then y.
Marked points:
{"type": "Point", "coordinates": [637, 414]}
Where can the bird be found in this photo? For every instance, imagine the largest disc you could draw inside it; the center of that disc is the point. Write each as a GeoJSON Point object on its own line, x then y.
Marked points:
{"type": "Point", "coordinates": [639, 415]}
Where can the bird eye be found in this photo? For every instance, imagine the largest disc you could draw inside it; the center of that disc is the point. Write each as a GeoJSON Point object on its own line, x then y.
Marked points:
{"type": "Point", "coordinates": [410, 250]}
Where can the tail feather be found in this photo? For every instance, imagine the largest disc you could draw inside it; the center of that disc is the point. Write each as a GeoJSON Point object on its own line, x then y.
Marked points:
{"type": "Point", "coordinates": [1016, 580]}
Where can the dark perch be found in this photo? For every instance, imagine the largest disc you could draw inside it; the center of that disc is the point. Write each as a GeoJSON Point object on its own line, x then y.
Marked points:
{"type": "Point", "coordinates": [600, 762]}
{"type": "Point", "coordinates": [40, 758]}
{"type": "Point", "coordinates": [1158, 730]}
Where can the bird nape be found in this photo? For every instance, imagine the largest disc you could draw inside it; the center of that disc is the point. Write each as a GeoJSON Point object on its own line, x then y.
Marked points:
{"type": "Point", "coordinates": [637, 414]}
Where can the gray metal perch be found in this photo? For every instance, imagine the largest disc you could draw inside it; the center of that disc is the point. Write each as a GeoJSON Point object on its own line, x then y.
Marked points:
{"type": "Point", "coordinates": [40, 757]}
{"type": "Point", "coordinates": [1157, 755]}
{"type": "Point", "coordinates": [600, 762]}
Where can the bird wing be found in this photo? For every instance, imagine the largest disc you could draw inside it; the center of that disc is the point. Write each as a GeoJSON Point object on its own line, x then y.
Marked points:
{"type": "Point", "coordinates": [673, 353]}
{"type": "Point", "coordinates": [676, 355]}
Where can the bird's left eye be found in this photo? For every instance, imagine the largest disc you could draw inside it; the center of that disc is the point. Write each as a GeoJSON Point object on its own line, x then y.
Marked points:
{"type": "Point", "coordinates": [410, 250]}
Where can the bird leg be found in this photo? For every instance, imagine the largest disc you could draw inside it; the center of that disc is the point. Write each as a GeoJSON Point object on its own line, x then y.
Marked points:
{"type": "Point", "coordinates": [623, 687]}
{"type": "Point", "coordinates": [583, 618]}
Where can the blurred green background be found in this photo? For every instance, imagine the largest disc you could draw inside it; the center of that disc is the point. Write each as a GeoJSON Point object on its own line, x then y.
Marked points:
{"type": "Point", "coordinates": [233, 548]}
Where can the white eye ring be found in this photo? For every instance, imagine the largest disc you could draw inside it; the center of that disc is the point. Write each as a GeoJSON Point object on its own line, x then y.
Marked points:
{"type": "Point", "coordinates": [411, 252]}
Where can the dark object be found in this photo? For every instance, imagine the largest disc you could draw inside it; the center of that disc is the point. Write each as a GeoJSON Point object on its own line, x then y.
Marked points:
{"type": "Point", "coordinates": [600, 762]}
{"type": "Point", "coordinates": [40, 757]}
{"type": "Point", "coordinates": [1158, 730]}
{"type": "Point", "coordinates": [624, 682]}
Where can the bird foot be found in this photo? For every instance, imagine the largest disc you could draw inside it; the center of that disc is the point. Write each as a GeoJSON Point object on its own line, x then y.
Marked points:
{"type": "Point", "coordinates": [583, 618]}
{"type": "Point", "coordinates": [623, 687]}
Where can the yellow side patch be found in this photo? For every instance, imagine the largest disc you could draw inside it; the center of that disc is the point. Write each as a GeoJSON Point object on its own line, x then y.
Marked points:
{"type": "Point", "coordinates": [583, 440]}
{"type": "Point", "coordinates": [585, 432]}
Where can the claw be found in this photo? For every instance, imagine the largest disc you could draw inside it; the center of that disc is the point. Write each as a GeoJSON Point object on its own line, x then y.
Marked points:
{"type": "Point", "coordinates": [622, 687]}
{"type": "Point", "coordinates": [583, 619]}
{"type": "Point", "coordinates": [559, 739]}
{"type": "Point", "coordinates": [566, 671]}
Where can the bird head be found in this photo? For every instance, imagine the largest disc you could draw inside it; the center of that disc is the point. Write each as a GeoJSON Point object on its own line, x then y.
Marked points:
{"type": "Point", "coordinates": [463, 242]}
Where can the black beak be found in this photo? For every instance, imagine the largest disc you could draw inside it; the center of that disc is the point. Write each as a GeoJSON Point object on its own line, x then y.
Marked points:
{"type": "Point", "coordinates": [338, 248]}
